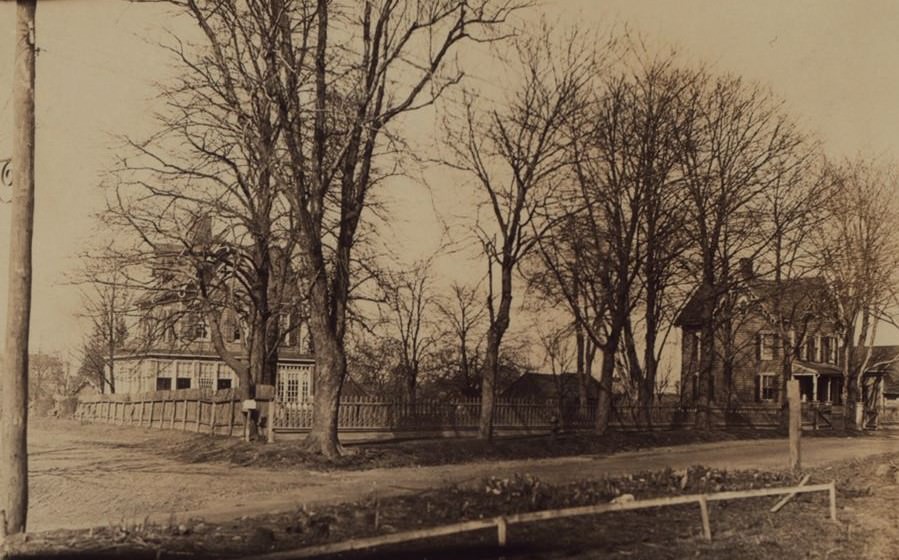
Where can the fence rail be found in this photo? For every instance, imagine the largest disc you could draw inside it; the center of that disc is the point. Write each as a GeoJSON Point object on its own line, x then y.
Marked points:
{"type": "Point", "coordinates": [220, 413]}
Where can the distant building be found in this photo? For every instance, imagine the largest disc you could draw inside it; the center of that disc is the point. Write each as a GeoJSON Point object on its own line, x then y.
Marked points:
{"type": "Point", "coordinates": [538, 386]}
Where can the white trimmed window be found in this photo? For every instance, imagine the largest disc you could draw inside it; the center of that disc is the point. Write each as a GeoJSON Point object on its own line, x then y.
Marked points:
{"type": "Point", "coordinates": [767, 387]}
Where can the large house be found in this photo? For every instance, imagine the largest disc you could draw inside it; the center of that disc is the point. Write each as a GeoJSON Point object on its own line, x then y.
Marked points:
{"type": "Point", "coordinates": [749, 349]}
{"type": "Point", "coordinates": [749, 352]}
{"type": "Point", "coordinates": [172, 347]}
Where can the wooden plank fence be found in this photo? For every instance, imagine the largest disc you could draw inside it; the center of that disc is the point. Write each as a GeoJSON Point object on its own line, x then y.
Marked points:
{"type": "Point", "coordinates": [220, 413]}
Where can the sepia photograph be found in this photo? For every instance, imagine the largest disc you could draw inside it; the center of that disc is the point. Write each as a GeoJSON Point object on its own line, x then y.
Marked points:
{"type": "Point", "coordinates": [449, 279]}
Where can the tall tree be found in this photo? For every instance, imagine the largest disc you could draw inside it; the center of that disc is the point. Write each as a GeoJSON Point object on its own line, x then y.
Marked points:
{"type": "Point", "coordinates": [516, 154]}
{"type": "Point", "coordinates": [735, 139]}
{"type": "Point", "coordinates": [859, 249]}
{"type": "Point", "coordinates": [361, 70]}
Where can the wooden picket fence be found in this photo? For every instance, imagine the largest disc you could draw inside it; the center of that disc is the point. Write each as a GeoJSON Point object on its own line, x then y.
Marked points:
{"type": "Point", "coordinates": [220, 413]}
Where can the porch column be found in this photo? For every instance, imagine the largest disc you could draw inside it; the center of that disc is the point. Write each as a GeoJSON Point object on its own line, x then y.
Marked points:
{"type": "Point", "coordinates": [829, 387]}
{"type": "Point", "coordinates": [815, 388]}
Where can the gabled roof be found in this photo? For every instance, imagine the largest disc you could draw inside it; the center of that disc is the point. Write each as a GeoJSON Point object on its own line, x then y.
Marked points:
{"type": "Point", "coordinates": [547, 385]}
{"type": "Point", "coordinates": [885, 360]}
{"type": "Point", "coordinates": [798, 297]}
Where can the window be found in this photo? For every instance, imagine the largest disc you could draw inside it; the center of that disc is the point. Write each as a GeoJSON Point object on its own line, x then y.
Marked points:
{"type": "Point", "coordinates": [182, 383]}
{"type": "Point", "coordinates": [767, 343]}
{"type": "Point", "coordinates": [206, 376]}
{"type": "Point", "coordinates": [767, 387]}
{"type": "Point", "coordinates": [200, 331]}
{"type": "Point", "coordinates": [163, 383]}
{"type": "Point", "coordinates": [827, 349]}
{"type": "Point", "coordinates": [304, 395]}
{"type": "Point", "coordinates": [223, 384]}
{"type": "Point", "coordinates": [811, 350]}
{"type": "Point", "coordinates": [288, 329]}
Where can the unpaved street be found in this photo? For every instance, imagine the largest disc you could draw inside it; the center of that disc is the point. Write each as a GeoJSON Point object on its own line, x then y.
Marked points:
{"type": "Point", "coordinates": [90, 475]}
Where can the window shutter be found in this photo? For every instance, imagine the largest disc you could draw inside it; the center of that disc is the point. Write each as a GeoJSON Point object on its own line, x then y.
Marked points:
{"type": "Point", "coordinates": [758, 345]}
{"type": "Point", "coordinates": [758, 388]}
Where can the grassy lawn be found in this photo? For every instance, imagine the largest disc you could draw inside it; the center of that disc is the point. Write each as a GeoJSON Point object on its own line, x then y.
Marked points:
{"type": "Point", "coordinates": [290, 454]}
{"type": "Point", "coordinates": [742, 529]}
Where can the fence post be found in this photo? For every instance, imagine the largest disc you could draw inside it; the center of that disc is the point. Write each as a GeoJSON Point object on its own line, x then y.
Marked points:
{"type": "Point", "coordinates": [199, 414]}
{"type": "Point", "coordinates": [212, 419]}
{"type": "Point", "coordinates": [704, 513]}
{"type": "Point", "coordinates": [795, 423]}
{"type": "Point", "coordinates": [231, 417]}
{"type": "Point", "coordinates": [174, 414]}
{"type": "Point", "coordinates": [272, 409]}
{"type": "Point", "coordinates": [152, 410]}
{"type": "Point", "coordinates": [184, 417]}
{"type": "Point", "coordinates": [833, 500]}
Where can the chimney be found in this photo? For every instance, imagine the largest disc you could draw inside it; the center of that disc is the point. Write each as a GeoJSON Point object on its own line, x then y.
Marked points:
{"type": "Point", "coordinates": [746, 268]}
{"type": "Point", "coordinates": [201, 230]}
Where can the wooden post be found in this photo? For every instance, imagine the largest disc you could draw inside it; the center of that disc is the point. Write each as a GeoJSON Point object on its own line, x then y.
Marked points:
{"type": "Point", "coordinates": [184, 418]}
{"type": "Point", "coordinates": [174, 414]}
{"type": "Point", "coordinates": [795, 424]}
{"type": "Point", "coordinates": [231, 418]}
{"type": "Point", "coordinates": [502, 531]}
{"type": "Point", "coordinates": [212, 419]}
{"type": "Point", "coordinates": [199, 413]}
{"type": "Point", "coordinates": [152, 408]}
{"type": "Point", "coordinates": [704, 513]}
{"type": "Point", "coordinates": [833, 500]}
{"type": "Point", "coordinates": [272, 410]}
{"type": "Point", "coordinates": [140, 414]}
{"type": "Point", "coordinates": [14, 378]}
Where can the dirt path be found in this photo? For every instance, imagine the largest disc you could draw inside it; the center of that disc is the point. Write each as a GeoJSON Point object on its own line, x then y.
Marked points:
{"type": "Point", "coordinates": [84, 476]}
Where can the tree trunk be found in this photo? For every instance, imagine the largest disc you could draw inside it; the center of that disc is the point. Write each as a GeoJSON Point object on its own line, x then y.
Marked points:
{"type": "Point", "coordinates": [498, 327]}
{"type": "Point", "coordinates": [581, 342]}
{"type": "Point", "coordinates": [488, 385]}
{"type": "Point", "coordinates": [330, 368]}
{"type": "Point", "coordinates": [14, 429]}
{"type": "Point", "coordinates": [706, 363]}
{"type": "Point", "coordinates": [604, 402]}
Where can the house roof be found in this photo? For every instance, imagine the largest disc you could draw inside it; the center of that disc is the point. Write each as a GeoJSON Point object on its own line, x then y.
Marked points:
{"type": "Point", "coordinates": [800, 366]}
{"type": "Point", "coordinates": [798, 297]}
{"type": "Point", "coordinates": [547, 385]}
{"type": "Point", "coordinates": [885, 360]}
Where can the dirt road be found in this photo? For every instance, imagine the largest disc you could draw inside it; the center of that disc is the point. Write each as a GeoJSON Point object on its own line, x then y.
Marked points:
{"type": "Point", "coordinates": [92, 475]}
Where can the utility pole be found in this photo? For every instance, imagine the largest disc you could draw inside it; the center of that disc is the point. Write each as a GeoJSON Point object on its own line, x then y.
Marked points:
{"type": "Point", "coordinates": [14, 385]}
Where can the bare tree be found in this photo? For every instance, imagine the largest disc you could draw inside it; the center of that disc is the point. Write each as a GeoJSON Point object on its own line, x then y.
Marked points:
{"type": "Point", "coordinates": [360, 68]}
{"type": "Point", "coordinates": [859, 247]}
{"type": "Point", "coordinates": [731, 150]}
{"type": "Point", "coordinates": [516, 153]}
{"type": "Point", "coordinates": [407, 321]}
{"type": "Point", "coordinates": [463, 313]}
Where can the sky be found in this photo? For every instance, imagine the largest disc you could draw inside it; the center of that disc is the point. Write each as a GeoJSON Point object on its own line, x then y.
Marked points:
{"type": "Point", "coordinates": [834, 63]}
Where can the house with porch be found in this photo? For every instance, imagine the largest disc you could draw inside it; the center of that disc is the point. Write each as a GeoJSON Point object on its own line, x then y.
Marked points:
{"type": "Point", "coordinates": [750, 344]}
{"type": "Point", "coordinates": [172, 346]}
{"type": "Point", "coordinates": [748, 348]}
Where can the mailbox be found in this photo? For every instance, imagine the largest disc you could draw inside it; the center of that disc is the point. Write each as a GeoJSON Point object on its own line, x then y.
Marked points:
{"type": "Point", "coordinates": [249, 404]}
